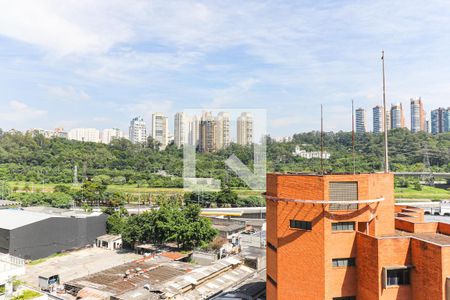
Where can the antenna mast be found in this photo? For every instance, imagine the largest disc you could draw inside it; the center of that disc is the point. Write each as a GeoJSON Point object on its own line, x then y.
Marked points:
{"type": "Point", "coordinates": [386, 151]}
{"type": "Point", "coordinates": [321, 138]}
{"type": "Point", "coordinates": [353, 138]}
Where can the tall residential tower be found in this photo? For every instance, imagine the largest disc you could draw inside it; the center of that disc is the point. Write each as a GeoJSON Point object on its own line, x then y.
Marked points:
{"type": "Point", "coordinates": [360, 120]}
{"type": "Point", "coordinates": [440, 120]}
{"type": "Point", "coordinates": [378, 119]}
{"type": "Point", "coordinates": [397, 116]}
{"type": "Point", "coordinates": [245, 129]}
{"type": "Point", "coordinates": [223, 130]}
{"type": "Point", "coordinates": [417, 115]}
{"type": "Point", "coordinates": [160, 129]}
{"type": "Point", "coordinates": [207, 133]}
{"type": "Point", "coordinates": [180, 127]}
{"type": "Point", "coordinates": [138, 131]}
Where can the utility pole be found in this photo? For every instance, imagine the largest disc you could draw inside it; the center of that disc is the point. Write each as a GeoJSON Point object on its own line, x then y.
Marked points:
{"type": "Point", "coordinates": [353, 138]}
{"type": "Point", "coordinates": [386, 151]}
{"type": "Point", "coordinates": [321, 138]}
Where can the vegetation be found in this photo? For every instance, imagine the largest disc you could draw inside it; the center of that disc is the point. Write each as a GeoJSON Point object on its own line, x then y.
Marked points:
{"type": "Point", "coordinates": [172, 222]}
{"type": "Point", "coordinates": [37, 159]}
{"type": "Point", "coordinates": [26, 295]}
{"type": "Point", "coordinates": [121, 172]}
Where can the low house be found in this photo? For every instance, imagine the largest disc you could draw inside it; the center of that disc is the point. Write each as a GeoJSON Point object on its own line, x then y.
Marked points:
{"type": "Point", "coordinates": [109, 241]}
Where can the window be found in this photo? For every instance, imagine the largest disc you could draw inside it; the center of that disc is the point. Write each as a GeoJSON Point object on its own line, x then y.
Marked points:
{"type": "Point", "coordinates": [270, 246]}
{"type": "Point", "coordinates": [341, 226]}
{"type": "Point", "coordinates": [305, 225]}
{"type": "Point", "coordinates": [343, 191]}
{"type": "Point", "coordinates": [271, 280]}
{"type": "Point", "coordinates": [343, 262]}
{"type": "Point", "coordinates": [398, 276]}
{"type": "Point", "coordinates": [345, 298]}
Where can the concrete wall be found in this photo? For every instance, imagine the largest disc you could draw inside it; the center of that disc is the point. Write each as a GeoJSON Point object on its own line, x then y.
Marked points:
{"type": "Point", "coordinates": [55, 234]}
{"type": "Point", "coordinates": [4, 240]}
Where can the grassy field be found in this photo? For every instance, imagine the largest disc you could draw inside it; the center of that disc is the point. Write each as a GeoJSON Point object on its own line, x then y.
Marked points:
{"type": "Point", "coordinates": [127, 188]}
{"type": "Point", "coordinates": [427, 192]}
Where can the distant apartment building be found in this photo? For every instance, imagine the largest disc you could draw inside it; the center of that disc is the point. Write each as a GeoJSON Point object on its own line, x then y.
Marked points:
{"type": "Point", "coordinates": [180, 127]}
{"type": "Point", "coordinates": [160, 129]}
{"type": "Point", "coordinates": [207, 133]}
{"type": "Point", "coordinates": [397, 116]}
{"type": "Point", "coordinates": [193, 131]}
{"type": "Point", "coordinates": [57, 132]}
{"type": "Point", "coordinates": [84, 135]}
{"type": "Point", "coordinates": [341, 237]}
{"type": "Point", "coordinates": [60, 132]}
{"type": "Point", "coordinates": [388, 119]}
{"type": "Point", "coordinates": [109, 134]}
{"type": "Point", "coordinates": [223, 130]}
{"type": "Point", "coordinates": [360, 120]}
{"type": "Point", "coordinates": [417, 115]}
{"type": "Point", "coordinates": [137, 132]}
{"type": "Point", "coordinates": [440, 120]}
{"type": "Point", "coordinates": [282, 139]}
{"type": "Point", "coordinates": [310, 154]}
{"type": "Point", "coordinates": [245, 129]}
{"type": "Point", "coordinates": [378, 119]}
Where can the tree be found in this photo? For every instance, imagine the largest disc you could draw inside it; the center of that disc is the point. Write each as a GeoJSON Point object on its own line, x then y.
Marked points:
{"type": "Point", "coordinates": [92, 192]}
{"type": "Point", "coordinates": [170, 223]}
{"type": "Point", "coordinates": [117, 221]}
{"type": "Point", "coordinates": [227, 197]}
{"type": "Point", "coordinates": [60, 188]}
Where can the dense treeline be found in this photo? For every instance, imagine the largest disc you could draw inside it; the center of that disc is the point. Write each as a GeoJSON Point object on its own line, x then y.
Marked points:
{"type": "Point", "coordinates": [37, 159]}
{"type": "Point", "coordinates": [172, 222]}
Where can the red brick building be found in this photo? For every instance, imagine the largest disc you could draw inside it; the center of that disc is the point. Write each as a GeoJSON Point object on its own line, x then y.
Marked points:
{"type": "Point", "coordinates": [340, 237]}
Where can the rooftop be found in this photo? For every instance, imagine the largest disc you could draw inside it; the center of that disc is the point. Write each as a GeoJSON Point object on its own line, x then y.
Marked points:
{"type": "Point", "coordinates": [229, 228]}
{"type": "Point", "coordinates": [6, 203]}
{"type": "Point", "coordinates": [15, 218]}
{"type": "Point", "coordinates": [109, 237]}
{"type": "Point", "coordinates": [12, 218]}
{"type": "Point", "coordinates": [436, 238]}
{"type": "Point", "coordinates": [131, 276]}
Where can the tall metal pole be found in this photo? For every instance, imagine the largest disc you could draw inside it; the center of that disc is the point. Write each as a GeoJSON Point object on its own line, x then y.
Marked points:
{"type": "Point", "coordinates": [386, 151]}
{"type": "Point", "coordinates": [353, 138]}
{"type": "Point", "coordinates": [321, 138]}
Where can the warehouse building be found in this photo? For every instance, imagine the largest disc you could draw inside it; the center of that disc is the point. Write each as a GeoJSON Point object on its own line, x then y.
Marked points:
{"type": "Point", "coordinates": [39, 232]}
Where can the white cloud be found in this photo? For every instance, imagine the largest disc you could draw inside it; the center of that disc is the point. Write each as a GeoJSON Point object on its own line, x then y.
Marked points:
{"type": "Point", "coordinates": [101, 119]}
{"type": "Point", "coordinates": [66, 93]}
{"type": "Point", "coordinates": [17, 111]}
{"type": "Point", "coordinates": [64, 28]}
{"type": "Point", "coordinates": [283, 55]}
{"type": "Point", "coordinates": [236, 93]}
{"type": "Point", "coordinates": [146, 108]}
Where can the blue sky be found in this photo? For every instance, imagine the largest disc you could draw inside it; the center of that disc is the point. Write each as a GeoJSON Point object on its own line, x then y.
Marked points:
{"type": "Point", "coordinates": [100, 63]}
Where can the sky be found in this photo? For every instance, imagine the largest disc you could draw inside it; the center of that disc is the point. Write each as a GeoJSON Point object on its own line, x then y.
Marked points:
{"type": "Point", "coordinates": [79, 63]}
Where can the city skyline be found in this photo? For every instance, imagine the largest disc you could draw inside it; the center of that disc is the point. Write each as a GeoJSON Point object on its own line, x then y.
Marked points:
{"type": "Point", "coordinates": [216, 57]}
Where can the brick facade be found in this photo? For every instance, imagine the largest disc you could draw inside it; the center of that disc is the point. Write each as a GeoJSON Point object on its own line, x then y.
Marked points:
{"type": "Point", "coordinates": [300, 261]}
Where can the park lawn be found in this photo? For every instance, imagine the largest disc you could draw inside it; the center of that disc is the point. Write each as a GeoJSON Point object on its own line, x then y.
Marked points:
{"type": "Point", "coordinates": [27, 295]}
{"type": "Point", "coordinates": [126, 188]}
{"type": "Point", "coordinates": [427, 192]}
